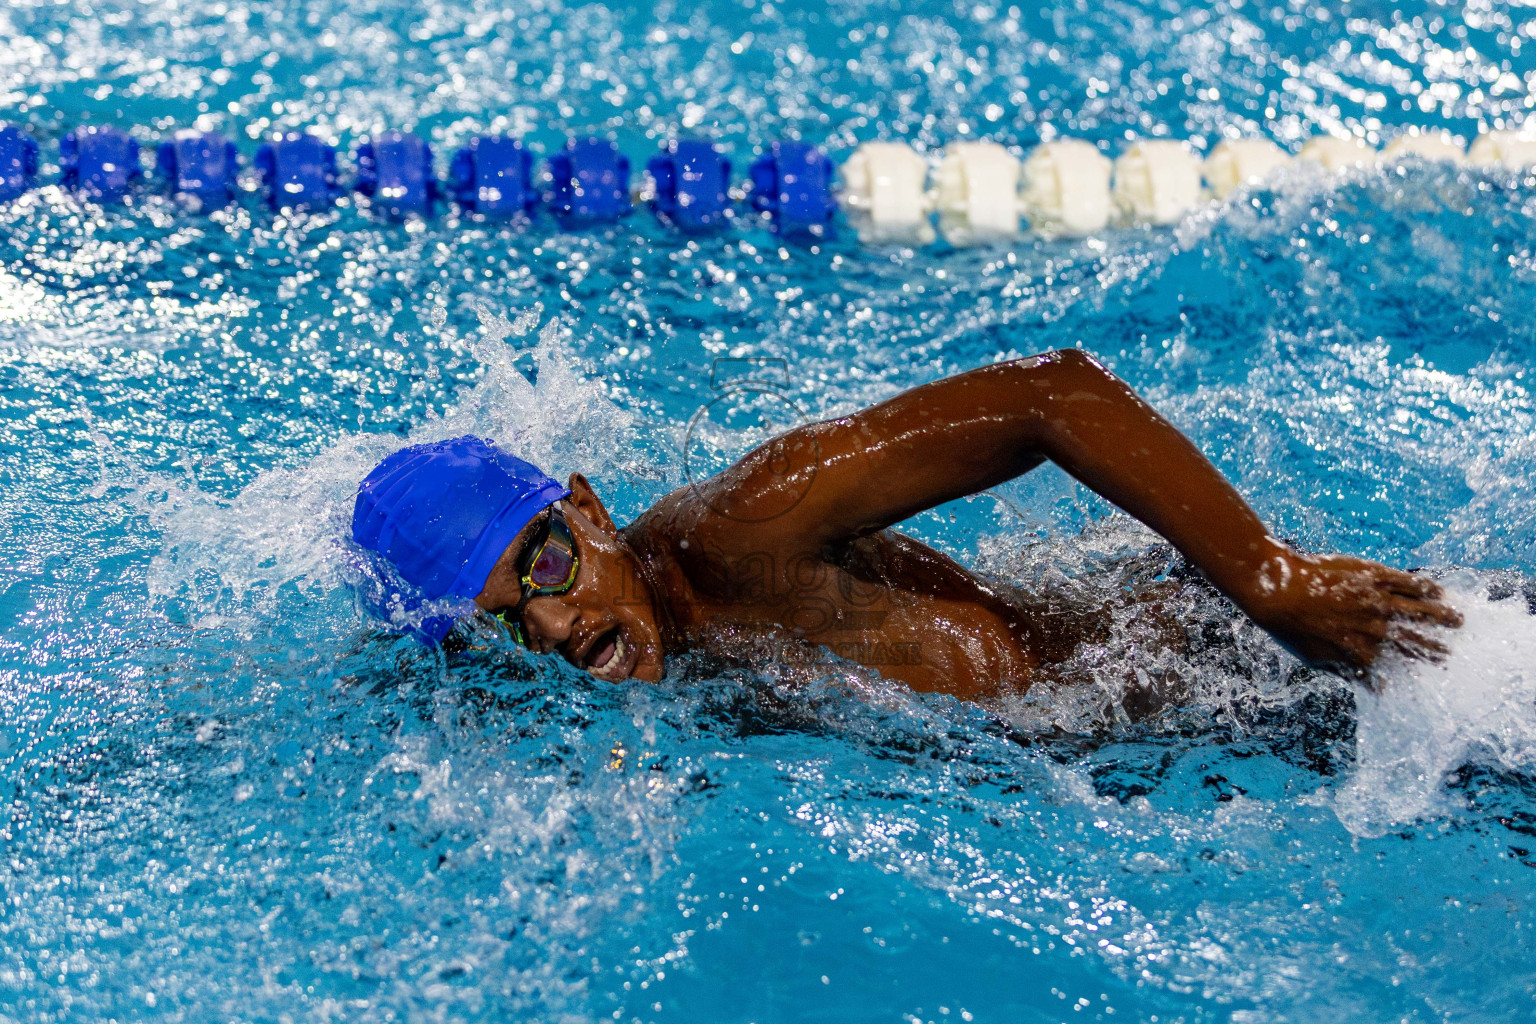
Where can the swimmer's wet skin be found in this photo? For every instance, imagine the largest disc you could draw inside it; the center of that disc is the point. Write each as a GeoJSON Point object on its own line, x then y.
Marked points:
{"type": "Point", "coordinates": [794, 543]}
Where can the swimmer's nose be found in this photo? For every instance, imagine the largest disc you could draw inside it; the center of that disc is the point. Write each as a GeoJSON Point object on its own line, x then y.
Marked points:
{"type": "Point", "coordinates": [550, 621]}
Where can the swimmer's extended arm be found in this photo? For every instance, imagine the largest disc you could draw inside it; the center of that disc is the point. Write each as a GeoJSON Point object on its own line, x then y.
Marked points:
{"type": "Point", "coordinates": [967, 433]}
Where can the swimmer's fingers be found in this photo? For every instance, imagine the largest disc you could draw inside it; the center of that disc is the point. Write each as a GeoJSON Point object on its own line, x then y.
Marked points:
{"type": "Point", "coordinates": [1417, 598]}
{"type": "Point", "coordinates": [1407, 596]}
{"type": "Point", "coordinates": [1414, 644]}
{"type": "Point", "coordinates": [1367, 642]}
{"type": "Point", "coordinates": [1427, 610]}
{"type": "Point", "coordinates": [1355, 650]}
{"type": "Point", "coordinates": [1406, 584]}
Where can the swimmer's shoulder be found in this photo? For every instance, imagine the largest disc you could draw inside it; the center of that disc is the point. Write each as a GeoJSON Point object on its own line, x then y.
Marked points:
{"type": "Point", "coordinates": [684, 524]}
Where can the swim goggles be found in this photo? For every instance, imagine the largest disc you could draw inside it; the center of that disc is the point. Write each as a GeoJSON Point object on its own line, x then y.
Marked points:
{"type": "Point", "coordinates": [549, 567]}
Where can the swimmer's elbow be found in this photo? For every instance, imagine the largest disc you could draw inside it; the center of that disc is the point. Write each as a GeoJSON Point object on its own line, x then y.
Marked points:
{"type": "Point", "coordinates": [1059, 365]}
{"type": "Point", "coordinates": [1075, 358]}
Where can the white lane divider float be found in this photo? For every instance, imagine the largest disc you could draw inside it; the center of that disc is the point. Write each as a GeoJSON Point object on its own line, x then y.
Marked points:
{"type": "Point", "coordinates": [1157, 181]}
{"type": "Point", "coordinates": [1066, 189]}
{"type": "Point", "coordinates": [1337, 153]}
{"type": "Point", "coordinates": [1238, 163]}
{"type": "Point", "coordinates": [1513, 150]}
{"type": "Point", "coordinates": [885, 194]}
{"type": "Point", "coordinates": [978, 194]}
{"type": "Point", "coordinates": [1424, 146]}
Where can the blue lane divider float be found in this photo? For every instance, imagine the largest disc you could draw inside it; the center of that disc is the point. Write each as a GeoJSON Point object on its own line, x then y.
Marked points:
{"type": "Point", "coordinates": [199, 165]}
{"type": "Point", "coordinates": [590, 182]}
{"type": "Point", "coordinates": [394, 169]}
{"type": "Point", "coordinates": [692, 179]}
{"type": "Point", "coordinates": [792, 183]}
{"type": "Point", "coordinates": [493, 176]}
{"type": "Point", "coordinates": [297, 170]}
{"type": "Point", "coordinates": [99, 162]}
{"type": "Point", "coordinates": [18, 162]}
{"type": "Point", "coordinates": [1063, 188]}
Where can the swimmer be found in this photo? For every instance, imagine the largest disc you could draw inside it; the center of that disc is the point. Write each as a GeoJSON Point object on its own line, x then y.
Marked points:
{"type": "Point", "coordinates": [795, 542]}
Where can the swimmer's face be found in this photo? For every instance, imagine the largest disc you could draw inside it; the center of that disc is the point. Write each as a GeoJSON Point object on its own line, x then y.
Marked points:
{"type": "Point", "coordinates": [606, 622]}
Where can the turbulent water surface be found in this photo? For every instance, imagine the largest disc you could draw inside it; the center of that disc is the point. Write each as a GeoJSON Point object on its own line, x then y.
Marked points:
{"type": "Point", "coordinates": [229, 798]}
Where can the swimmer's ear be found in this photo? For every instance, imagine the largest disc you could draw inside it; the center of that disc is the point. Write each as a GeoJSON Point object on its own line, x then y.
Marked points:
{"type": "Point", "coordinates": [589, 504]}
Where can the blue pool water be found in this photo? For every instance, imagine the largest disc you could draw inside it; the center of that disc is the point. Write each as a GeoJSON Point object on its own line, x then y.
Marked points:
{"type": "Point", "coordinates": [228, 799]}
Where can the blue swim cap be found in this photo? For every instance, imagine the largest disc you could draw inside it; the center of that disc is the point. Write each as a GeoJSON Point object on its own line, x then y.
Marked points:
{"type": "Point", "coordinates": [442, 514]}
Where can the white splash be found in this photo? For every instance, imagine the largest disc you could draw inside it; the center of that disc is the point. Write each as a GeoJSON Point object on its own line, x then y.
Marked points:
{"type": "Point", "coordinates": [290, 526]}
{"type": "Point", "coordinates": [1427, 720]}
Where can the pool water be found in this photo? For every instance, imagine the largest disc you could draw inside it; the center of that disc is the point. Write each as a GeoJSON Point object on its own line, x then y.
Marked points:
{"type": "Point", "coordinates": [229, 798]}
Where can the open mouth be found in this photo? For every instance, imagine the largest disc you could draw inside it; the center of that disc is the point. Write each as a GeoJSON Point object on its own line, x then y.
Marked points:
{"type": "Point", "coordinates": [610, 655]}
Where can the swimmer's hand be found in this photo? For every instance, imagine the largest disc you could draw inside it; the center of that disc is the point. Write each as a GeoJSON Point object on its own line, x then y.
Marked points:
{"type": "Point", "coordinates": [1340, 613]}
